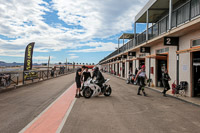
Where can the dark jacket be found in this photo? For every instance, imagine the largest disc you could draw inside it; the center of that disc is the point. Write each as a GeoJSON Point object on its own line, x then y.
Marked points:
{"type": "Point", "coordinates": [99, 77]}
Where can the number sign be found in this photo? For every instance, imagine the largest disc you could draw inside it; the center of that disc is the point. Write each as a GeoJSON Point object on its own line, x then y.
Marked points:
{"type": "Point", "coordinates": [131, 53]}
{"type": "Point", "coordinates": [171, 41]}
{"type": "Point", "coordinates": [144, 49]}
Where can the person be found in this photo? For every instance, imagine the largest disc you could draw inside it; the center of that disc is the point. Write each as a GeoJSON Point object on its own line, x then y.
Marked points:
{"type": "Point", "coordinates": [136, 71]}
{"type": "Point", "coordinates": [141, 75]}
{"type": "Point", "coordinates": [78, 81]}
{"type": "Point", "coordinates": [99, 77]}
{"type": "Point", "coordinates": [86, 74]}
{"type": "Point", "coordinates": [165, 79]}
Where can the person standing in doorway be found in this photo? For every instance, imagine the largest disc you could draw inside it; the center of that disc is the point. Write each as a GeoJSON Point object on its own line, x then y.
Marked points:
{"type": "Point", "coordinates": [165, 79]}
{"type": "Point", "coordinates": [141, 75]}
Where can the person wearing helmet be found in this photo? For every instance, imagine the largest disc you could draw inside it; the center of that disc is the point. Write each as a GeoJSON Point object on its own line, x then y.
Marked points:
{"type": "Point", "coordinates": [141, 75]}
{"type": "Point", "coordinates": [99, 77]}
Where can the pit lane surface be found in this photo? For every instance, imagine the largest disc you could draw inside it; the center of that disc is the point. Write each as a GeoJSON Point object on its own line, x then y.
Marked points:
{"type": "Point", "coordinates": [126, 112]}
{"type": "Point", "coordinates": [19, 107]}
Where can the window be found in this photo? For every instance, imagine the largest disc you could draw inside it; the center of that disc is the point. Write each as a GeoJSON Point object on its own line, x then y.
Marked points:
{"type": "Point", "coordinates": [196, 43]}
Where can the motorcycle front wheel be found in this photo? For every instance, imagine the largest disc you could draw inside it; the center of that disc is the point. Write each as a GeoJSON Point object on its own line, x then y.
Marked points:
{"type": "Point", "coordinates": [87, 93]}
{"type": "Point", "coordinates": [108, 91]}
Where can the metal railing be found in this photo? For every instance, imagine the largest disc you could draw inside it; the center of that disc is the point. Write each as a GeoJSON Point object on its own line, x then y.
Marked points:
{"type": "Point", "coordinates": [181, 15]}
{"type": "Point", "coordinates": [16, 78]}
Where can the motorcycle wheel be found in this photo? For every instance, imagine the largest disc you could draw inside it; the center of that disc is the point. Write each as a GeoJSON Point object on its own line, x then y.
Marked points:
{"type": "Point", "coordinates": [108, 91]}
{"type": "Point", "coordinates": [87, 92]}
{"type": "Point", "coordinates": [127, 81]}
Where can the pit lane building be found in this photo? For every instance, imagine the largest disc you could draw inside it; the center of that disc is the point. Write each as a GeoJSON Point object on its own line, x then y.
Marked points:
{"type": "Point", "coordinates": [171, 41]}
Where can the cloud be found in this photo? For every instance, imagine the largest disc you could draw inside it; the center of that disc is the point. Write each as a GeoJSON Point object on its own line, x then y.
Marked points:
{"type": "Point", "coordinates": [73, 57]}
{"type": "Point", "coordinates": [23, 22]}
{"type": "Point", "coordinates": [42, 57]}
{"type": "Point", "coordinates": [97, 47]}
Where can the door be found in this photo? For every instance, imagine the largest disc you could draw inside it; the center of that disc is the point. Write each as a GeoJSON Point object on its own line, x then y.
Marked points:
{"type": "Point", "coordinates": [196, 73]}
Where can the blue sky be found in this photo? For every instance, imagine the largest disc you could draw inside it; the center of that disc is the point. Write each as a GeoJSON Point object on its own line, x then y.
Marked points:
{"type": "Point", "coordinates": [82, 31]}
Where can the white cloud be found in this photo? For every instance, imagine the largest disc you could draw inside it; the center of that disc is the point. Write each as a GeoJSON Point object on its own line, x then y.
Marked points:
{"type": "Point", "coordinates": [73, 57]}
{"type": "Point", "coordinates": [24, 22]}
{"type": "Point", "coordinates": [42, 57]}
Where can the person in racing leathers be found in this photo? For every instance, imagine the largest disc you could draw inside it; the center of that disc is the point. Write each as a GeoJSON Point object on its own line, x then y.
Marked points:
{"type": "Point", "coordinates": [99, 77]}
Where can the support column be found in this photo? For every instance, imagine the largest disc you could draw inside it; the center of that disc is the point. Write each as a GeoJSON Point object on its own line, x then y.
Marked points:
{"type": "Point", "coordinates": [135, 32]}
{"type": "Point", "coordinates": [147, 28]}
{"type": "Point", "coordinates": [170, 14]}
{"type": "Point", "coordinates": [118, 46]}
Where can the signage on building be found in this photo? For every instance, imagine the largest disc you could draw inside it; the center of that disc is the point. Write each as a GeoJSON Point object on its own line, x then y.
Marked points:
{"type": "Point", "coordinates": [144, 49]}
{"type": "Point", "coordinates": [118, 58]}
{"type": "Point", "coordinates": [171, 41]}
{"type": "Point", "coordinates": [131, 53]}
{"type": "Point", "coordinates": [124, 56]}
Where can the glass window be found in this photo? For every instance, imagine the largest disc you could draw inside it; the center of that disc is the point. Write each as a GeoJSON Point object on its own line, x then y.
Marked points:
{"type": "Point", "coordinates": [196, 43]}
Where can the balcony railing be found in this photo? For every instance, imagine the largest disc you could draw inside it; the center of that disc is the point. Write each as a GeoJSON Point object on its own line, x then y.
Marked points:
{"type": "Point", "coordinates": [181, 15]}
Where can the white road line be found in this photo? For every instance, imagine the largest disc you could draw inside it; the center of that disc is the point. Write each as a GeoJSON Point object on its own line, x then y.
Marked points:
{"type": "Point", "coordinates": [66, 116]}
{"type": "Point", "coordinates": [26, 127]}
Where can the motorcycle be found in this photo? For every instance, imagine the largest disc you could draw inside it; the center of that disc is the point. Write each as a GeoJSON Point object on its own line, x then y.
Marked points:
{"type": "Point", "coordinates": [91, 89]}
{"type": "Point", "coordinates": [5, 80]}
{"type": "Point", "coordinates": [130, 79]}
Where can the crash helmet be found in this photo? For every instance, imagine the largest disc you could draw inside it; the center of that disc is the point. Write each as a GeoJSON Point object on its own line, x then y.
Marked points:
{"type": "Point", "coordinates": [95, 69]}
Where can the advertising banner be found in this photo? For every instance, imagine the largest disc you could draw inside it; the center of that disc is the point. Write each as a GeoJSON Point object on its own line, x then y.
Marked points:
{"type": "Point", "coordinates": [28, 57]}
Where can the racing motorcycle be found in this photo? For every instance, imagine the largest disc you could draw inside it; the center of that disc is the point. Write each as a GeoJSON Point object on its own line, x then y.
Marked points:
{"type": "Point", "coordinates": [91, 89]}
{"type": "Point", "coordinates": [130, 79]}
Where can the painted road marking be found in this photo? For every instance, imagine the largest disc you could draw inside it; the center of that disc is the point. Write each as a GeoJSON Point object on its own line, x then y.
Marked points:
{"type": "Point", "coordinates": [52, 117]}
{"type": "Point", "coordinates": [65, 118]}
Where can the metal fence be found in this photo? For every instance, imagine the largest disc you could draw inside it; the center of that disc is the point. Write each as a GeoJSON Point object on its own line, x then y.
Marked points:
{"type": "Point", "coordinates": [181, 15]}
{"type": "Point", "coordinates": [13, 79]}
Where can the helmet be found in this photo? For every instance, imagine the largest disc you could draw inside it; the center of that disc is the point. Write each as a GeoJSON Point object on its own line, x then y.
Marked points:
{"type": "Point", "coordinates": [143, 66]}
{"type": "Point", "coordinates": [95, 68]}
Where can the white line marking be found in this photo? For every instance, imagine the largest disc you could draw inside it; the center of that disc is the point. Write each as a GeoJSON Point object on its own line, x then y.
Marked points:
{"type": "Point", "coordinates": [27, 126]}
{"type": "Point", "coordinates": [66, 116]}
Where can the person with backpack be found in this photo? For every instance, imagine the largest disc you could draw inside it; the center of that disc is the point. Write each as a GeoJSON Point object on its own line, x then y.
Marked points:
{"type": "Point", "coordinates": [141, 75]}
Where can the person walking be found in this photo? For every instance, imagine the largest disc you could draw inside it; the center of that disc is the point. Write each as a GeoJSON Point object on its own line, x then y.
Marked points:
{"type": "Point", "coordinates": [78, 81]}
{"type": "Point", "coordinates": [141, 75]}
{"type": "Point", "coordinates": [165, 79]}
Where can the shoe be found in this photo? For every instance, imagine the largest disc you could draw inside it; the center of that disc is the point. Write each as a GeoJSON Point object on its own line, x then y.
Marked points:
{"type": "Point", "coordinates": [145, 94]}
{"type": "Point", "coordinates": [138, 94]}
{"type": "Point", "coordinates": [77, 96]}
{"type": "Point", "coordinates": [164, 95]}
{"type": "Point", "coordinates": [80, 95]}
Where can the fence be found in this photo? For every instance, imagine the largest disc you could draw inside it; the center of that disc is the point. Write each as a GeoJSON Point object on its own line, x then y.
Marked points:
{"type": "Point", "coordinates": [17, 78]}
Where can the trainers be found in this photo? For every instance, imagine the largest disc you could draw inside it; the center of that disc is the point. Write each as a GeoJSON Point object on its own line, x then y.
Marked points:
{"type": "Point", "coordinates": [138, 94]}
{"type": "Point", "coordinates": [77, 96]}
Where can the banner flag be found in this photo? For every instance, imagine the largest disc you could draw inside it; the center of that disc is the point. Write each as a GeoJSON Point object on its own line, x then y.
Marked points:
{"type": "Point", "coordinates": [28, 57]}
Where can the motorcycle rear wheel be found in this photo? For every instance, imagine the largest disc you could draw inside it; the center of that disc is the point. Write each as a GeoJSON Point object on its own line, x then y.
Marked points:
{"type": "Point", "coordinates": [87, 93]}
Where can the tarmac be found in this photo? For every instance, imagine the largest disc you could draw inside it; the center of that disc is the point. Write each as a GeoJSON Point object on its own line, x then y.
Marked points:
{"type": "Point", "coordinates": [50, 106]}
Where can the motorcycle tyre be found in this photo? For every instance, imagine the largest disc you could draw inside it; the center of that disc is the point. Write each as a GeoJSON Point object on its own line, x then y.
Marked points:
{"type": "Point", "coordinates": [84, 92]}
{"type": "Point", "coordinates": [110, 91]}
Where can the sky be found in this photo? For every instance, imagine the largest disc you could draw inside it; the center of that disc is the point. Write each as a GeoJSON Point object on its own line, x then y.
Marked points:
{"type": "Point", "coordinates": [81, 31]}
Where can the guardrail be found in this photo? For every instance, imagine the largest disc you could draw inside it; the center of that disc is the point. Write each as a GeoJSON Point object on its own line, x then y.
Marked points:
{"type": "Point", "coordinates": [14, 79]}
{"type": "Point", "coordinates": [181, 15]}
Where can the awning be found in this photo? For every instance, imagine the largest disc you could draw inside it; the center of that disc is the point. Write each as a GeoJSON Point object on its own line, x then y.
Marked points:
{"type": "Point", "coordinates": [156, 9]}
{"type": "Point", "coordinates": [127, 36]}
{"type": "Point", "coordinates": [193, 49]}
{"type": "Point", "coordinates": [158, 56]}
